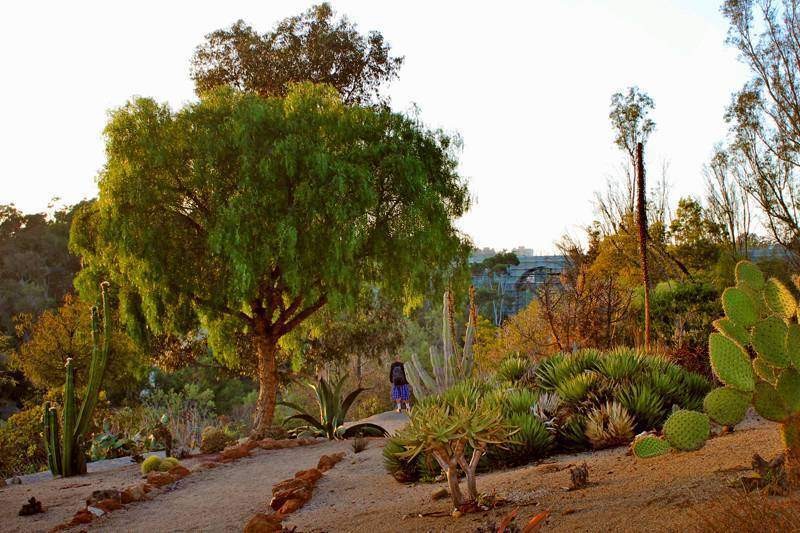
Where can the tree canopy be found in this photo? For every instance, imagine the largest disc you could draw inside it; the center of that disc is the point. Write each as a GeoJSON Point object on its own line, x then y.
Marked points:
{"type": "Point", "coordinates": [312, 46]}
{"type": "Point", "coordinates": [246, 215]}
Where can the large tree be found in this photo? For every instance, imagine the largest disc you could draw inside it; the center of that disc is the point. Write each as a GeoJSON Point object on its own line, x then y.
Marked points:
{"type": "Point", "coordinates": [246, 215]}
{"type": "Point", "coordinates": [313, 46]}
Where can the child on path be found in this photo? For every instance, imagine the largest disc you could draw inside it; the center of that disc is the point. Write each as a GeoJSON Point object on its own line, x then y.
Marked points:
{"type": "Point", "coordinates": [401, 392]}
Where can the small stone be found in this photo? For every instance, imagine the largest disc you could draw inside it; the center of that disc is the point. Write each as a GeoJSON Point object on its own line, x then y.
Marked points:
{"type": "Point", "coordinates": [133, 493]}
{"type": "Point", "coordinates": [159, 479]}
{"type": "Point", "coordinates": [16, 480]}
{"type": "Point", "coordinates": [440, 493]}
{"type": "Point", "coordinates": [456, 513]}
{"type": "Point", "coordinates": [263, 523]}
{"type": "Point", "coordinates": [96, 511]}
{"type": "Point", "coordinates": [179, 471]}
{"type": "Point", "coordinates": [84, 516]}
{"type": "Point", "coordinates": [291, 506]}
{"type": "Point", "coordinates": [109, 505]}
{"type": "Point", "coordinates": [32, 507]}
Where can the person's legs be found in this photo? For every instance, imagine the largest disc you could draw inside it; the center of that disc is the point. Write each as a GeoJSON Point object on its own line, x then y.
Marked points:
{"type": "Point", "coordinates": [399, 406]}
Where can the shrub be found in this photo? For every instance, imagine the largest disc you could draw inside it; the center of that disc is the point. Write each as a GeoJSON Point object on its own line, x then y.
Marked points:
{"type": "Point", "coordinates": [213, 440]}
{"type": "Point", "coordinates": [513, 369]}
{"type": "Point", "coordinates": [150, 464]}
{"type": "Point", "coordinates": [21, 445]}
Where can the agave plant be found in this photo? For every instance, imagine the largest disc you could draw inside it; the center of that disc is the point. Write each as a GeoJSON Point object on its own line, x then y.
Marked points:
{"type": "Point", "coordinates": [332, 412]}
{"type": "Point", "coordinates": [513, 369]}
{"type": "Point", "coordinates": [609, 425]}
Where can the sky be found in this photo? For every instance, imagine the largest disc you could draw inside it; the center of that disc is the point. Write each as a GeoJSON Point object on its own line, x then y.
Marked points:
{"type": "Point", "coordinates": [527, 85]}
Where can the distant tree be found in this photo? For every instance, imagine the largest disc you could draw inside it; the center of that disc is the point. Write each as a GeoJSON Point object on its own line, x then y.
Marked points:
{"type": "Point", "coordinates": [695, 237]}
{"type": "Point", "coordinates": [728, 204]}
{"type": "Point", "coordinates": [492, 297]}
{"type": "Point", "coordinates": [248, 215]}
{"type": "Point", "coordinates": [56, 335]}
{"type": "Point", "coordinates": [765, 113]}
{"type": "Point", "coordinates": [312, 46]}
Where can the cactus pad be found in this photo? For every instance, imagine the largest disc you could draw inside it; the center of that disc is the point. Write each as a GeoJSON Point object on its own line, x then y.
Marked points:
{"type": "Point", "coordinates": [769, 340]}
{"type": "Point", "coordinates": [747, 272]}
{"type": "Point", "coordinates": [788, 388]}
{"type": "Point", "coordinates": [739, 307]}
{"type": "Point", "coordinates": [730, 363]}
{"type": "Point", "coordinates": [687, 430]}
{"type": "Point", "coordinates": [764, 370]}
{"type": "Point", "coordinates": [726, 406]}
{"type": "Point", "coordinates": [793, 344]}
{"type": "Point", "coordinates": [779, 299]}
{"type": "Point", "coordinates": [650, 446]}
{"type": "Point", "coordinates": [732, 330]}
{"type": "Point", "coordinates": [768, 403]}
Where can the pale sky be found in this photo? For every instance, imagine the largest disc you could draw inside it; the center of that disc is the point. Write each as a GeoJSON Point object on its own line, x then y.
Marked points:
{"type": "Point", "coordinates": [526, 84]}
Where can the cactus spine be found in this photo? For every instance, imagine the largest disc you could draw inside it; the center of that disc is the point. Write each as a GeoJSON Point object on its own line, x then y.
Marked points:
{"type": "Point", "coordinates": [65, 454]}
{"type": "Point", "coordinates": [455, 362]}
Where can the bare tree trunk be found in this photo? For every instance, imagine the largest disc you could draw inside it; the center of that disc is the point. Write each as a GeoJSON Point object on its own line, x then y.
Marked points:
{"type": "Point", "coordinates": [641, 217]}
{"type": "Point", "coordinates": [790, 431]}
{"type": "Point", "coordinates": [450, 467]}
{"type": "Point", "coordinates": [266, 353]}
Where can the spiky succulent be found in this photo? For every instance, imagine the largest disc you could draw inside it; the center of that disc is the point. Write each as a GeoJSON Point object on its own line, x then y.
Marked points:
{"type": "Point", "coordinates": [646, 406]}
{"type": "Point", "coordinates": [609, 425]}
{"type": "Point", "coordinates": [513, 369]}
{"type": "Point", "coordinates": [575, 389]}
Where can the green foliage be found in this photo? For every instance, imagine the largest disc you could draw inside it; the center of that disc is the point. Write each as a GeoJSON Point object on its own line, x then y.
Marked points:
{"type": "Point", "coordinates": [726, 406]}
{"type": "Point", "coordinates": [646, 406]}
{"type": "Point", "coordinates": [650, 446]}
{"type": "Point", "coordinates": [513, 369]}
{"type": "Point", "coordinates": [332, 411]}
{"type": "Point", "coordinates": [575, 389]}
{"type": "Point", "coordinates": [530, 440]}
{"type": "Point", "coordinates": [682, 313]}
{"type": "Point", "coordinates": [609, 425]}
{"type": "Point", "coordinates": [402, 468]}
{"type": "Point", "coordinates": [150, 464]}
{"type": "Point", "coordinates": [214, 439]}
{"type": "Point", "coordinates": [687, 430]}
{"type": "Point", "coordinates": [65, 445]}
{"type": "Point", "coordinates": [22, 450]}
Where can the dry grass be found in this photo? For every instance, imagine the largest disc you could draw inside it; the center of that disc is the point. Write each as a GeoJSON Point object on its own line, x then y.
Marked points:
{"type": "Point", "coordinates": [743, 512]}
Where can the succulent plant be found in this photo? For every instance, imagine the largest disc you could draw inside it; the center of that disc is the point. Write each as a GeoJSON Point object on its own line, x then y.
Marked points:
{"type": "Point", "coordinates": [609, 425]}
{"type": "Point", "coordinates": [455, 362]}
{"type": "Point", "coordinates": [66, 454]}
{"type": "Point", "coordinates": [150, 464]}
{"type": "Point", "coordinates": [687, 430]}
{"type": "Point", "coordinates": [513, 369]}
{"type": "Point", "coordinates": [650, 446]}
{"type": "Point", "coordinates": [760, 319]}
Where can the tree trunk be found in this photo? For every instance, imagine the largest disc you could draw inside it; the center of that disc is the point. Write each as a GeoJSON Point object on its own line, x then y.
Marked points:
{"type": "Point", "coordinates": [641, 217]}
{"type": "Point", "coordinates": [450, 467]}
{"type": "Point", "coordinates": [790, 431]}
{"type": "Point", "coordinates": [266, 353]}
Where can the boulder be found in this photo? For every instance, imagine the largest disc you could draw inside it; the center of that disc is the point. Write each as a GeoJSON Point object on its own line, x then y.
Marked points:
{"type": "Point", "coordinates": [81, 517]}
{"type": "Point", "coordinates": [291, 505]}
{"type": "Point", "coordinates": [109, 505]}
{"type": "Point", "coordinates": [106, 494]}
{"type": "Point", "coordinates": [179, 471]}
{"type": "Point", "coordinates": [234, 453]}
{"type": "Point", "coordinates": [134, 493]}
{"type": "Point", "coordinates": [263, 523]}
{"type": "Point", "coordinates": [326, 462]}
{"type": "Point", "coordinates": [288, 489]}
{"type": "Point", "coordinates": [159, 479]}
{"type": "Point", "coordinates": [312, 475]}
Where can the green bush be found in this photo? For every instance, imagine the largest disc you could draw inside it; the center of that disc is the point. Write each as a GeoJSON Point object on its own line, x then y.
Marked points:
{"type": "Point", "coordinates": [513, 369]}
{"type": "Point", "coordinates": [21, 444]}
{"type": "Point", "coordinates": [214, 439]}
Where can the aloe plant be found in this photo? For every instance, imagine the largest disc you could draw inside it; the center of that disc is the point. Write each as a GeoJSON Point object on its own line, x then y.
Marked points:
{"type": "Point", "coordinates": [455, 362]}
{"type": "Point", "coordinates": [66, 454]}
{"type": "Point", "coordinates": [332, 412]}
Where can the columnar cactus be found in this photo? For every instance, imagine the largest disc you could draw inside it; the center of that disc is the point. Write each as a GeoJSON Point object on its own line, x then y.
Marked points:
{"type": "Point", "coordinates": [455, 363]}
{"type": "Point", "coordinates": [65, 453]}
{"type": "Point", "coordinates": [755, 353]}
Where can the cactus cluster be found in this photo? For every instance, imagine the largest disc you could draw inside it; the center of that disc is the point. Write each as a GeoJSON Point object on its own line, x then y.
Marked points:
{"type": "Point", "coordinates": [650, 446]}
{"type": "Point", "coordinates": [65, 445]}
{"type": "Point", "coordinates": [455, 362]}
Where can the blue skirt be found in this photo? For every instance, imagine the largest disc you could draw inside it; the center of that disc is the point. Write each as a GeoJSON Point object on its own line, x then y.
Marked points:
{"type": "Point", "coordinates": [401, 393]}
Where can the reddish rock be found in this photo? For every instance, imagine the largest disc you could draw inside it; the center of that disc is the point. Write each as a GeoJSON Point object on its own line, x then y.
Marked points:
{"type": "Point", "coordinates": [266, 444]}
{"type": "Point", "coordinates": [207, 465]}
{"type": "Point", "coordinates": [263, 523]}
{"type": "Point", "coordinates": [109, 505]}
{"type": "Point", "coordinates": [250, 445]}
{"type": "Point", "coordinates": [326, 462]}
{"type": "Point", "coordinates": [159, 479]}
{"type": "Point", "coordinates": [234, 453]}
{"type": "Point", "coordinates": [290, 489]}
{"type": "Point", "coordinates": [312, 475]}
{"type": "Point", "coordinates": [291, 506]}
{"type": "Point", "coordinates": [84, 516]}
{"type": "Point", "coordinates": [179, 471]}
{"type": "Point", "coordinates": [134, 493]}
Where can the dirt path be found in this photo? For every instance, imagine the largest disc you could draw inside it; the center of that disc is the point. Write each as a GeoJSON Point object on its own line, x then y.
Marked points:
{"type": "Point", "coordinates": [357, 495]}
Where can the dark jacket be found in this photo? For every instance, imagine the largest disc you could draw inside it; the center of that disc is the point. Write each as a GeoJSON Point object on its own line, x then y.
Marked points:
{"type": "Point", "coordinates": [402, 368]}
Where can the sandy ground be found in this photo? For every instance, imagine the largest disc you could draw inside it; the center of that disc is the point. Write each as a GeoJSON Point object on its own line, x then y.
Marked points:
{"type": "Point", "coordinates": [627, 494]}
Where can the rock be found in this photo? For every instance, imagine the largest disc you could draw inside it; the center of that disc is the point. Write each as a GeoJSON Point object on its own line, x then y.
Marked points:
{"type": "Point", "coordinates": [84, 516]}
{"type": "Point", "coordinates": [159, 479]}
{"type": "Point", "coordinates": [326, 462]}
{"type": "Point", "coordinates": [234, 453]}
{"type": "Point", "coordinates": [96, 511]}
{"type": "Point", "coordinates": [179, 471]}
{"type": "Point", "coordinates": [456, 513]}
{"type": "Point", "coordinates": [106, 494]}
{"type": "Point", "coordinates": [291, 506]}
{"type": "Point", "coordinates": [207, 465]}
{"type": "Point", "coordinates": [263, 523]}
{"type": "Point", "coordinates": [32, 507]}
{"type": "Point", "coordinates": [288, 489]}
{"type": "Point", "coordinates": [109, 505]}
{"type": "Point", "coordinates": [2, 482]}
{"type": "Point", "coordinates": [134, 493]}
{"type": "Point", "coordinates": [249, 445]}
{"type": "Point", "coordinates": [16, 480]}
{"type": "Point", "coordinates": [312, 475]}
{"type": "Point", "coordinates": [440, 493]}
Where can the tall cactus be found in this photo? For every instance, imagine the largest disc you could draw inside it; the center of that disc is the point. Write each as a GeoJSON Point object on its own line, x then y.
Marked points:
{"type": "Point", "coordinates": [755, 353]}
{"type": "Point", "coordinates": [65, 446]}
{"type": "Point", "coordinates": [455, 362]}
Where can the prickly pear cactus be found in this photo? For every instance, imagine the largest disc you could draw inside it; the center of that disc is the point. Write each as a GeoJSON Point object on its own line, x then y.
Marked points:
{"type": "Point", "coordinates": [755, 353]}
{"type": "Point", "coordinates": [650, 446]}
{"type": "Point", "coordinates": [687, 430]}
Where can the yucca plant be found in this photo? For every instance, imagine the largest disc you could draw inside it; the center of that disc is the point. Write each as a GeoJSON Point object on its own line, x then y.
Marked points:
{"type": "Point", "coordinates": [513, 369]}
{"type": "Point", "coordinates": [572, 431]}
{"type": "Point", "coordinates": [332, 412]}
{"type": "Point", "coordinates": [643, 403]}
{"type": "Point", "coordinates": [446, 432]}
{"type": "Point", "coordinates": [455, 362]}
{"type": "Point", "coordinates": [519, 402]}
{"type": "Point", "coordinates": [530, 440]}
{"type": "Point", "coordinates": [575, 389]}
{"type": "Point", "coordinates": [620, 365]}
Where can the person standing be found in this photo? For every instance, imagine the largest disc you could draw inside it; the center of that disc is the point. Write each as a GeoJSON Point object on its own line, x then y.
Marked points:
{"type": "Point", "coordinates": [401, 392]}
